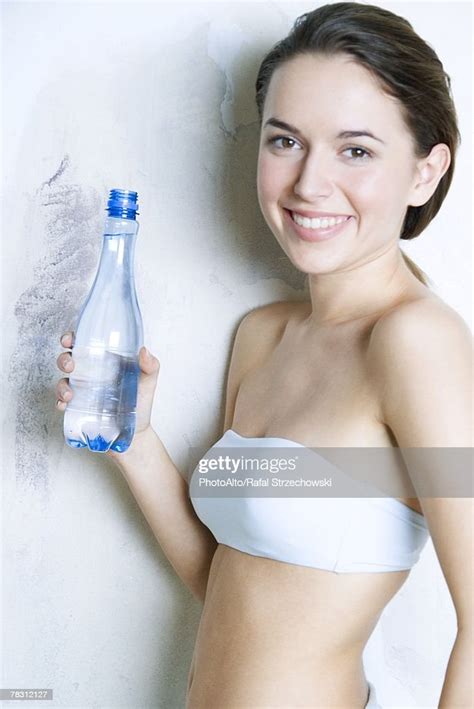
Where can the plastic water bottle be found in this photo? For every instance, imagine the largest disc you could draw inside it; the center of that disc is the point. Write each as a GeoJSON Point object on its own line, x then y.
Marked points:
{"type": "Point", "coordinates": [108, 337]}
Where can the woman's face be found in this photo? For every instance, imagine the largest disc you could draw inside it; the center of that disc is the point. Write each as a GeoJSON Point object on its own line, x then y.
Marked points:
{"type": "Point", "coordinates": [317, 169]}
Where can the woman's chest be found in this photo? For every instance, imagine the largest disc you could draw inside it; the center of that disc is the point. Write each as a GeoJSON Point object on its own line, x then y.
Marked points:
{"type": "Point", "coordinates": [317, 394]}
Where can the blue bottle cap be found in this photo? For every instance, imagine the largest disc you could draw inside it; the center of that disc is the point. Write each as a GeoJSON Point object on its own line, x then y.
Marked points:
{"type": "Point", "coordinates": [123, 204]}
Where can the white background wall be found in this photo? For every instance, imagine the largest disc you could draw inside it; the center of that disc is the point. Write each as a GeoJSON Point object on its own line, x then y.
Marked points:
{"type": "Point", "coordinates": [159, 98]}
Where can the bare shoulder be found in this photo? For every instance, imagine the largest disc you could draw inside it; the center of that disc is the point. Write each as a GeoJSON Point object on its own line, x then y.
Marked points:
{"type": "Point", "coordinates": [260, 328]}
{"type": "Point", "coordinates": [256, 337]}
{"type": "Point", "coordinates": [266, 323]}
{"type": "Point", "coordinates": [419, 323]}
{"type": "Point", "coordinates": [276, 310]}
{"type": "Point", "coordinates": [420, 362]}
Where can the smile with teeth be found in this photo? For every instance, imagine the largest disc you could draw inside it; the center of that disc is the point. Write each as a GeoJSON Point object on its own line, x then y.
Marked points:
{"type": "Point", "coordinates": [317, 223]}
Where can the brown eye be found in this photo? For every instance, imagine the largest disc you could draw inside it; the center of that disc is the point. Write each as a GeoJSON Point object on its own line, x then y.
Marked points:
{"type": "Point", "coordinates": [273, 141]}
{"type": "Point", "coordinates": [358, 150]}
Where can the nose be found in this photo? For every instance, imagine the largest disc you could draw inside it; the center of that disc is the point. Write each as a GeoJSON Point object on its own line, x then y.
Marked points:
{"type": "Point", "coordinates": [314, 180]}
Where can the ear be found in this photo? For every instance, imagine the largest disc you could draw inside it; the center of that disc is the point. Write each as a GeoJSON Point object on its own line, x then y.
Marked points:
{"type": "Point", "coordinates": [428, 173]}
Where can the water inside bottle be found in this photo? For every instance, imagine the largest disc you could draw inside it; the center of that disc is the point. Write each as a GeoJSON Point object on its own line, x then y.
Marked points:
{"type": "Point", "coordinates": [102, 412]}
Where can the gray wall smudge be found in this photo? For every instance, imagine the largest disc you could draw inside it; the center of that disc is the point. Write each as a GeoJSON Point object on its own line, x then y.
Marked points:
{"type": "Point", "coordinates": [70, 220]}
{"type": "Point", "coordinates": [59, 171]}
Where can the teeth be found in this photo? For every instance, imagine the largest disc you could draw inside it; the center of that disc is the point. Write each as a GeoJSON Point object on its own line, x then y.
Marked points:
{"type": "Point", "coordinates": [317, 223]}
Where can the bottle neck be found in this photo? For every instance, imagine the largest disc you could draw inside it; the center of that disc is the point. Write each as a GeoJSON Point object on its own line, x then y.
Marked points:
{"type": "Point", "coordinates": [116, 226]}
{"type": "Point", "coordinates": [118, 249]}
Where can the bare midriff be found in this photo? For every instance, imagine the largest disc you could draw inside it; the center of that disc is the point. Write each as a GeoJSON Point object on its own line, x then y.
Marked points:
{"type": "Point", "coordinates": [274, 634]}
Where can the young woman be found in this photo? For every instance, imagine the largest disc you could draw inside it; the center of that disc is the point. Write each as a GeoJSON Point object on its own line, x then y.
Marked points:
{"type": "Point", "coordinates": [357, 151]}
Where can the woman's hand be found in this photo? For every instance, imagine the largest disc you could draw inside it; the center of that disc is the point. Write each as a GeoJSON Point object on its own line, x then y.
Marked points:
{"type": "Point", "coordinates": [149, 371]}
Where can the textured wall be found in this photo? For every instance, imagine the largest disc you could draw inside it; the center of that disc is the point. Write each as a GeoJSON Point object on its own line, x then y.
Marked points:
{"type": "Point", "coordinates": [157, 98]}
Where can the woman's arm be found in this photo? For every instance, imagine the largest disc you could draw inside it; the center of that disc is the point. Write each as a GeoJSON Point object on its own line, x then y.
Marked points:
{"type": "Point", "coordinates": [421, 357]}
{"type": "Point", "coordinates": [162, 492]}
{"type": "Point", "coordinates": [458, 684]}
{"type": "Point", "coordinates": [162, 495]}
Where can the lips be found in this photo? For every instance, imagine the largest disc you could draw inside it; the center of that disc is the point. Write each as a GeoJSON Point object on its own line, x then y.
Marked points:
{"type": "Point", "coordinates": [315, 235]}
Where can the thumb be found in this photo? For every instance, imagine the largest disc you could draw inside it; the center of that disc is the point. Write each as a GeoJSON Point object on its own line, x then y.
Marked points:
{"type": "Point", "coordinates": [149, 364]}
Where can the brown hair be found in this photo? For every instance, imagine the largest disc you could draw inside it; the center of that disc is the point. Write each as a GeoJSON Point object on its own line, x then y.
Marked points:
{"type": "Point", "coordinates": [406, 68]}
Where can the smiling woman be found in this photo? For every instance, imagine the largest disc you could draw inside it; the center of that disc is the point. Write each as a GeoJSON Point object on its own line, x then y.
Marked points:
{"type": "Point", "coordinates": [357, 151]}
{"type": "Point", "coordinates": [363, 64]}
{"type": "Point", "coordinates": [352, 155]}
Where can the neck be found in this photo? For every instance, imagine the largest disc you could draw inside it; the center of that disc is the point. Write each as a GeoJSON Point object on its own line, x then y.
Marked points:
{"type": "Point", "coordinates": [360, 290]}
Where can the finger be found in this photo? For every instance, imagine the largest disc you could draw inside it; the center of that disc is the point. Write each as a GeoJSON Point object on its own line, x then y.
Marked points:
{"type": "Point", "coordinates": [65, 362]}
{"type": "Point", "coordinates": [63, 390]}
{"type": "Point", "coordinates": [67, 340]}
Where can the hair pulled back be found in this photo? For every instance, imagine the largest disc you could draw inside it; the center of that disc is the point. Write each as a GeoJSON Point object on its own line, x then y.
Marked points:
{"type": "Point", "coordinates": [406, 68]}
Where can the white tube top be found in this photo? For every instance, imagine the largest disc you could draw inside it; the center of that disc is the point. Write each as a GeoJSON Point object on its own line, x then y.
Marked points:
{"type": "Point", "coordinates": [367, 534]}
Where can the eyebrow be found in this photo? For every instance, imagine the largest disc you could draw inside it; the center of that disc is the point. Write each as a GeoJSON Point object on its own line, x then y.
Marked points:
{"type": "Point", "coordinates": [341, 135]}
